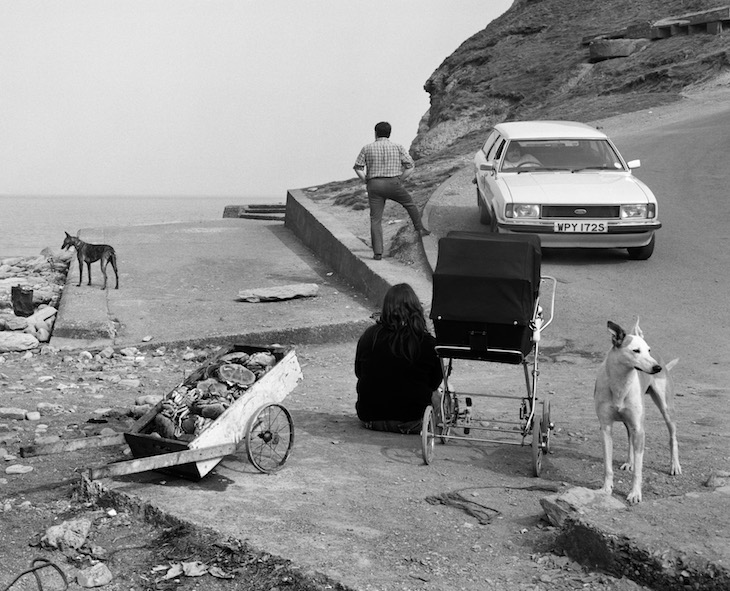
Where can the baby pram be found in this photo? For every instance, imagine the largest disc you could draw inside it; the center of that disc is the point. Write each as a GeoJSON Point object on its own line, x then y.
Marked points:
{"type": "Point", "coordinates": [486, 306]}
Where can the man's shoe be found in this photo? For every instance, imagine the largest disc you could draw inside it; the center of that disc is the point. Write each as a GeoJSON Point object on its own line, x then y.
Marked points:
{"type": "Point", "coordinates": [377, 257]}
{"type": "Point", "coordinates": [424, 232]}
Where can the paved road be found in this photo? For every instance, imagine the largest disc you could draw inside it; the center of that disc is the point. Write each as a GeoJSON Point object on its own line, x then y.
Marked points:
{"type": "Point", "coordinates": [680, 293]}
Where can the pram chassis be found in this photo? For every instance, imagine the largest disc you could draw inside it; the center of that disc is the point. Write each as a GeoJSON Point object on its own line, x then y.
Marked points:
{"type": "Point", "coordinates": [452, 415]}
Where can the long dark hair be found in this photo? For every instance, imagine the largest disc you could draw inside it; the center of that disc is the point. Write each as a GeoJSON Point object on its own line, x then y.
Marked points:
{"type": "Point", "coordinates": [403, 321]}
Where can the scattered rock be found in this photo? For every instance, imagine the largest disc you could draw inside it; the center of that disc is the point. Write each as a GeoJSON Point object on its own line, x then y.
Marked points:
{"type": "Point", "coordinates": [13, 413]}
{"type": "Point", "coordinates": [18, 469]}
{"type": "Point", "coordinates": [69, 534]}
{"type": "Point", "coordinates": [94, 576]}
{"type": "Point", "coordinates": [47, 439]}
{"type": "Point", "coordinates": [148, 399]}
{"type": "Point", "coordinates": [106, 353]}
{"type": "Point", "coordinates": [717, 479]}
{"type": "Point", "coordinates": [284, 292]}
{"type": "Point", "coordinates": [47, 408]}
{"type": "Point", "coordinates": [17, 341]}
{"type": "Point", "coordinates": [578, 500]}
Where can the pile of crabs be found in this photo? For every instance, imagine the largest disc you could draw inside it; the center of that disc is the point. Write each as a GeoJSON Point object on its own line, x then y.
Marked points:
{"type": "Point", "coordinates": [192, 407]}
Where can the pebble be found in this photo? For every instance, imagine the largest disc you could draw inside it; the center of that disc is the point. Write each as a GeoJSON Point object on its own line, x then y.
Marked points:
{"type": "Point", "coordinates": [33, 415]}
{"type": "Point", "coordinates": [148, 399]}
{"type": "Point", "coordinates": [13, 413]}
{"type": "Point", "coordinates": [18, 469]}
{"type": "Point", "coordinates": [47, 439]}
{"type": "Point", "coordinates": [106, 353]}
{"type": "Point", "coordinates": [48, 407]}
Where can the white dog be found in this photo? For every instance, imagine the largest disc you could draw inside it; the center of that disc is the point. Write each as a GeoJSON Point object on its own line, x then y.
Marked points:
{"type": "Point", "coordinates": [628, 372]}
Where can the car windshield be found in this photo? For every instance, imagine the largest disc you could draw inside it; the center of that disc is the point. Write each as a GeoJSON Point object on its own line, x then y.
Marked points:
{"type": "Point", "coordinates": [570, 155]}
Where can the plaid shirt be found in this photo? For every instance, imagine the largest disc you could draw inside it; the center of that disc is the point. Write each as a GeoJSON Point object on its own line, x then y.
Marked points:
{"type": "Point", "coordinates": [383, 158]}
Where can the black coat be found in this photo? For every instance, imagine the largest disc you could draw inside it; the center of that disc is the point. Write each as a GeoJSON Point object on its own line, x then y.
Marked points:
{"type": "Point", "coordinates": [389, 387]}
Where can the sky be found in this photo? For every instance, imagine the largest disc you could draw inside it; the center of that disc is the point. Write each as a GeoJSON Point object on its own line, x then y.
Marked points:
{"type": "Point", "coordinates": [212, 97]}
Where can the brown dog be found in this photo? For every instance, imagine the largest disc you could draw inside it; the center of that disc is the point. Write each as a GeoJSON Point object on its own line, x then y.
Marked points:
{"type": "Point", "coordinates": [628, 372]}
{"type": "Point", "coordinates": [90, 253]}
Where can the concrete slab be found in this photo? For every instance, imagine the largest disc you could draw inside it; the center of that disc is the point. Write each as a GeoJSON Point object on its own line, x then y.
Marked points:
{"type": "Point", "coordinates": [179, 283]}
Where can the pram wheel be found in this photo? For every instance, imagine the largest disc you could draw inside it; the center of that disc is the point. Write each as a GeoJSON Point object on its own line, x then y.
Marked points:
{"type": "Point", "coordinates": [537, 450]}
{"type": "Point", "coordinates": [546, 425]}
{"type": "Point", "coordinates": [428, 434]}
{"type": "Point", "coordinates": [449, 405]}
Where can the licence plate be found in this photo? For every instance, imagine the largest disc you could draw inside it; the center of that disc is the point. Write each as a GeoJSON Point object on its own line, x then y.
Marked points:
{"type": "Point", "coordinates": [581, 227]}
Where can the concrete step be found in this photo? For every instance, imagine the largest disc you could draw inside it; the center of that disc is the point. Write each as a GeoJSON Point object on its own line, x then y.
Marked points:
{"type": "Point", "coordinates": [256, 211]}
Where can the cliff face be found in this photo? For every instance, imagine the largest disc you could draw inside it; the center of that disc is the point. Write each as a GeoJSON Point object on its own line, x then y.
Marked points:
{"type": "Point", "coordinates": [533, 62]}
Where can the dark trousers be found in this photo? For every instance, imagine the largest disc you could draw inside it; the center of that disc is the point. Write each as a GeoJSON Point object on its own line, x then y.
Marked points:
{"type": "Point", "coordinates": [379, 190]}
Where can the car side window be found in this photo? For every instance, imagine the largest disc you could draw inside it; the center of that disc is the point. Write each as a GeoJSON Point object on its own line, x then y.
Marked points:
{"type": "Point", "coordinates": [491, 138]}
{"type": "Point", "coordinates": [496, 150]}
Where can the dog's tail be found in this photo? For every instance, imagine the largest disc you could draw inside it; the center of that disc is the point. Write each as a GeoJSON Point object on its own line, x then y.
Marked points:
{"type": "Point", "coordinates": [671, 364]}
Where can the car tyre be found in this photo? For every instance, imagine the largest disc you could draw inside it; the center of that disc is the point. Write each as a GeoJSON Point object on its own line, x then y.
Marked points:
{"type": "Point", "coordinates": [484, 217]}
{"type": "Point", "coordinates": [493, 223]}
{"type": "Point", "coordinates": [642, 253]}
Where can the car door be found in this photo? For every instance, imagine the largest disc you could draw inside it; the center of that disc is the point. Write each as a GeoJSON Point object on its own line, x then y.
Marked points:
{"type": "Point", "coordinates": [490, 190]}
{"type": "Point", "coordinates": [481, 162]}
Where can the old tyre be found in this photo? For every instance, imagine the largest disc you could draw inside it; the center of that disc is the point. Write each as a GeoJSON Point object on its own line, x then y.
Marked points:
{"type": "Point", "coordinates": [269, 438]}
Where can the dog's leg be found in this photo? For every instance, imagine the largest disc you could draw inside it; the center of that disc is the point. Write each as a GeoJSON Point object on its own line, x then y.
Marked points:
{"type": "Point", "coordinates": [81, 269]}
{"type": "Point", "coordinates": [88, 270]}
{"type": "Point", "coordinates": [629, 464]}
{"type": "Point", "coordinates": [606, 432]}
{"type": "Point", "coordinates": [103, 262]}
{"type": "Point", "coordinates": [113, 260]}
{"type": "Point", "coordinates": [659, 396]}
{"type": "Point", "coordinates": [637, 440]}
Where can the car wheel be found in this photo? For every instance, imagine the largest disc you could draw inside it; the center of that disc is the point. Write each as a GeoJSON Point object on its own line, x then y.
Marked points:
{"type": "Point", "coordinates": [493, 223]}
{"type": "Point", "coordinates": [484, 217]}
{"type": "Point", "coordinates": [641, 253]}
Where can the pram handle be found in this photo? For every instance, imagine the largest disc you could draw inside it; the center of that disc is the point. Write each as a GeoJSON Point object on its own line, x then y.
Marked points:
{"type": "Point", "coordinates": [539, 323]}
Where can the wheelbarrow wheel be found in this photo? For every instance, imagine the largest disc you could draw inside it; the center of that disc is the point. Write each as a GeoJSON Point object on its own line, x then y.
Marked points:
{"type": "Point", "coordinates": [269, 438]}
{"type": "Point", "coordinates": [537, 449]}
{"type": "Point", "coordinates": [546, 425]}
{"type": "Point", "coordinates": [428, 434]}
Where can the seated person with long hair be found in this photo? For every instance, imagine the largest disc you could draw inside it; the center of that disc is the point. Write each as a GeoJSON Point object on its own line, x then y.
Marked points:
{"type": "Point", "coordinates": [397, 369]}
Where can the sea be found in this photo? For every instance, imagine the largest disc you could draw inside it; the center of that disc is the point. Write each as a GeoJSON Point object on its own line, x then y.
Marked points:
{"type": "Point", "coordinates": [28, 224]}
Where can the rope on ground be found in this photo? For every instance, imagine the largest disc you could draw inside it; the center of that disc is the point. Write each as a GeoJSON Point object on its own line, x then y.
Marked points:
{"type": "Point", "coordinates": [483, 514]}
{"type": "Point", "coordinates": [36, 565]}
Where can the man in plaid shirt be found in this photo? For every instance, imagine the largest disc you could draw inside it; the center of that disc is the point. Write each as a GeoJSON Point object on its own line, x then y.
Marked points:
{"type": "Point", "coordinates": [383, 165]}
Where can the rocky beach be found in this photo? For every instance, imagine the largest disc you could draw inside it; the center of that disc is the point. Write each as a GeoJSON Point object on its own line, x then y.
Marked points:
{"type": "Point", "coordinates": [30, 292]}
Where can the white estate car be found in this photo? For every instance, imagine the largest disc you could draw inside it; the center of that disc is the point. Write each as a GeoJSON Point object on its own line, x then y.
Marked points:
{"type": "Point", "coordinates": [566, 182]}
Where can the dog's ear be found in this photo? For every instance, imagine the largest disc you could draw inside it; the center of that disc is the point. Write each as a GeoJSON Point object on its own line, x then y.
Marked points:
{"type": "Point", "coordinates": [617, 334]}
{"type": "Point", "coordinates": [637, 329]}
{"type": "Point", "coordinates": [67, 234]}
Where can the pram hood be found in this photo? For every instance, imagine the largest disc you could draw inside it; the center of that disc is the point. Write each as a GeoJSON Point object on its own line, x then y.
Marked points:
{"type": "Point", "coordinates": [492, 278]}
